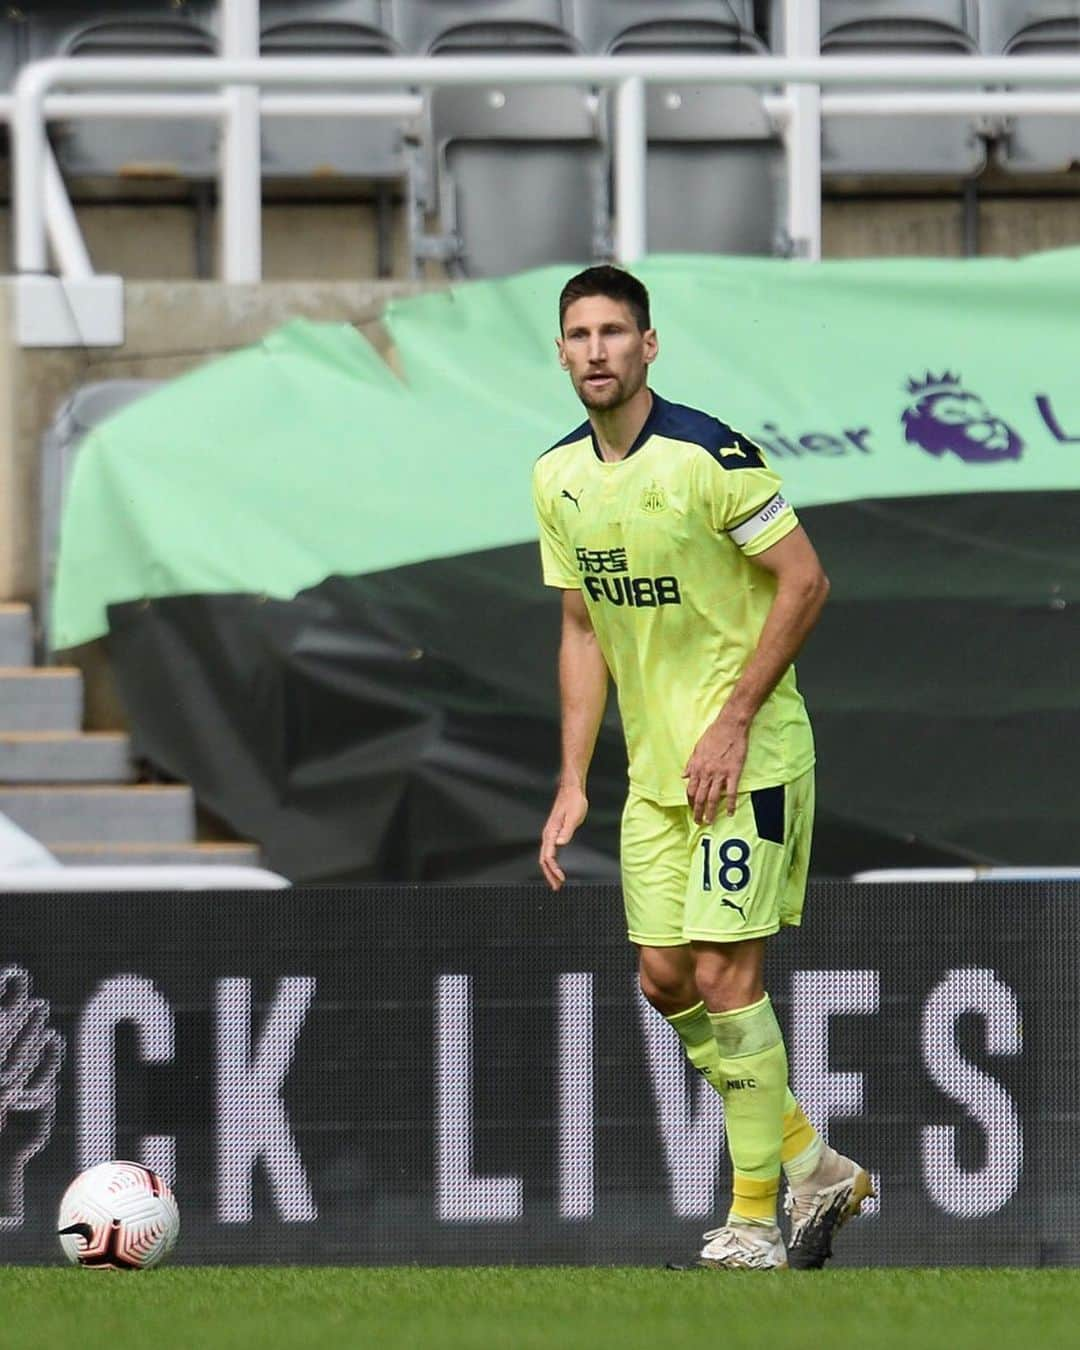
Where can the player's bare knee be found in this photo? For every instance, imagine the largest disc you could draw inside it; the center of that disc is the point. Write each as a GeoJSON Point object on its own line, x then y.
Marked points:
{"type": "Point", "coordinates": [667, 981]}
{"type": "Point", "coordinates": [728, 976]}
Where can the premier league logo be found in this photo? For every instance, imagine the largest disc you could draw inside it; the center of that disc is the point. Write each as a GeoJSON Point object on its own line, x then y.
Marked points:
{"type": "Point", "coordinates": [943, 417]}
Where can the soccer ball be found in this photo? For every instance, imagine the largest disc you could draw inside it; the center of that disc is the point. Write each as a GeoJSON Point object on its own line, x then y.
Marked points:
{"type": "Point", "coordinates": [118, 1216]}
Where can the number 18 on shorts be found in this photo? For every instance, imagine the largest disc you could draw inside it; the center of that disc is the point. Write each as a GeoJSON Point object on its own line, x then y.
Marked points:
{"type": "Point", "coordinates": [743, 876]}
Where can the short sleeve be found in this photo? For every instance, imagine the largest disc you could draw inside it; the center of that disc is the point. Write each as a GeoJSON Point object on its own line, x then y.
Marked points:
{"type": "Point", "coordinates": [745, 499]}
{"type": "Point", "coordinates": [555, 558]}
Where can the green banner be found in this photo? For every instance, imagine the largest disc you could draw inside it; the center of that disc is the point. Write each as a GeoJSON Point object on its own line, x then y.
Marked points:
{"type": "Point", "coordinates": [305, 456]}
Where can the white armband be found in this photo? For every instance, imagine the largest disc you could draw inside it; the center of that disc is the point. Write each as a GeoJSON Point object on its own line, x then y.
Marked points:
{"type": "Point", "coordinates": [759, 522]}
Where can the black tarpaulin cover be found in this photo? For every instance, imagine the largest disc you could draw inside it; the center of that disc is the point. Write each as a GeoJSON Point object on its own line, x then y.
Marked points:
{"type": "Point", "coordinates": [404, 723]}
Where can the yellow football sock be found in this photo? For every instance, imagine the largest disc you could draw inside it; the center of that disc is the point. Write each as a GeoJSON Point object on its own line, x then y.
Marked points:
{"type": "Point", "coordinates": [801, 1145]}
{"type": "Point", "coordinates": [696, 1033]}
{"type": "Point", "coordinates": [754, 1078]}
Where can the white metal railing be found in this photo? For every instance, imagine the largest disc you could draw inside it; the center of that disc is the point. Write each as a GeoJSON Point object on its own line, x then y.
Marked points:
{"type": "Point", "coordinates": [241, 95]}
{"type": "Point", "coordinates": [56, 217]}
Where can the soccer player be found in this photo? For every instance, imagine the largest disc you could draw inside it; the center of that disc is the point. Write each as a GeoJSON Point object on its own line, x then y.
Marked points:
{"type": "Point", "coordinates": [686, 576]}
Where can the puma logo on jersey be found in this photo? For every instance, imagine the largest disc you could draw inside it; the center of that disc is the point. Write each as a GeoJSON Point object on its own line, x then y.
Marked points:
{"type": "Point", "coordinates": [732, 905]}
{"type": "Point", "coordinates": [571, 498]}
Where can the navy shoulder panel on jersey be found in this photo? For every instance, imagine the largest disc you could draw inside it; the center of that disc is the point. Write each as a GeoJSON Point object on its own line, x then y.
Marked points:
{"type": "Point", "coordinates": [578, 434]}
{"type": "Point", "coordinates": [681, 423]}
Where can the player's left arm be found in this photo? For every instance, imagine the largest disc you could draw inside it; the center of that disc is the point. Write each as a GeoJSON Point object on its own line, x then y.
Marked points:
{"type": "Point", "coordinates": [713, 770]}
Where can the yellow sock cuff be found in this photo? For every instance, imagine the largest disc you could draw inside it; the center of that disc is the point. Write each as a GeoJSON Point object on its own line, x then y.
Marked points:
{"type": "Point", "coordinates": [754, 1198]}
{"type": "Point", "coordinates": [688, 1017]}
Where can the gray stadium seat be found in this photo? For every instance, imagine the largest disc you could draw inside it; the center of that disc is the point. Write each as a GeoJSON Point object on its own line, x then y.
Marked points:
{"type": "Point", "coordinates": [12, 44]}
{"type": "Point", "coordinates": [1003, 21]}
{"type": "Point", "coordinates": [715, 172]}
{"type": "Point", "coordinates": [715, 163]}
{"type": "Point", "coordinates": [342, 146]}
{"type": "Point", "coordinates": [97, 148]}
{"type": "Point", "coordinates": [78, 415]}
{"type": "Point", "coordinates": [900, 146]}
{"type": "Point", "coordinates": [661, 25]}
{"type": "Point", "coordinates": [522, 174]}
{"type": "Point", "coordinates": [483, 25]}
{"type": "Point", "coordinates": [1022, 28]}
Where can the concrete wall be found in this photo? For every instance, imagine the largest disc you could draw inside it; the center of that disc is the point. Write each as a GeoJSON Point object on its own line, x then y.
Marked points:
{"type": "Point", "coordinates": [162, 241]}
{"type": "Point", "coordinates": [338, 239]}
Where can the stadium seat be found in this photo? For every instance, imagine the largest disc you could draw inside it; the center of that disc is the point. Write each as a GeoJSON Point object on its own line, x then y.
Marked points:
{"type": "Point", "coordinates": [1035, 28]}
{"type": "Point", "coordinates": [126, 148]}
{"type": "Point", "coordinates": [443, 26]}
{"type": "Point", "coordinates": [662, 25]}
{"type": "Point", "coordinates": [873, 145]}
{"type": "Point", "coordinates": [522, 175]}
{"type": "Point", "coordinates": [78, 415]}
{"type": "Point", "coordinates": [715, 162]}
{"type": "Point", "coordinates": [329, 147]}
{"type": "Point", "coordinates": [520, 172]}
{"type": "Point", "coordinates": [1003, 21]}
{"type": "Point", "coordinates": [12, 35]}
{"type": "Point", "coordinates": [715, 172]}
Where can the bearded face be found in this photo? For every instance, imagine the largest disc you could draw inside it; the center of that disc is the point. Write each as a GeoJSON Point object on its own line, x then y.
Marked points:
{"type": "Point", "coordinates": [960, 423]}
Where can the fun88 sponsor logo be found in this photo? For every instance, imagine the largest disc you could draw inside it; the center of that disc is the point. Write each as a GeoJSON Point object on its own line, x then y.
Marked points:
{"type": "Point", "coordinates": [606, 577]}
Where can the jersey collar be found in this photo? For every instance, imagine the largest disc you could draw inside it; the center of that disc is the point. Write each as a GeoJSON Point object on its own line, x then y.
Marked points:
{"type": "Point", "coordinates": [648, 429]}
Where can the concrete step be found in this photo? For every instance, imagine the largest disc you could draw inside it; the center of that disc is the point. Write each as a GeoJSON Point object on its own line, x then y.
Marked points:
{"type": "Point", "coordinates": [220, 854]}
{"type": "Point", "coordinates": [102, 815]}
{"type": "Point", "coordinates": [46, 698]}
{"type": "Point", "coordinates": [65, 757]}
{"type": "Point", "coordinates": [16, 635]}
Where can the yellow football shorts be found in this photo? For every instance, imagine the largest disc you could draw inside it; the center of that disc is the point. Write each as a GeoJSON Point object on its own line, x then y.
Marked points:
{"type": "Point", "coordinates": [743, 876]}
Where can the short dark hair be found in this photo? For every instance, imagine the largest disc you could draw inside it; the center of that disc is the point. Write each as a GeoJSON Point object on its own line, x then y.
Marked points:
{"type": "Point", "coordinates": [613, 282]}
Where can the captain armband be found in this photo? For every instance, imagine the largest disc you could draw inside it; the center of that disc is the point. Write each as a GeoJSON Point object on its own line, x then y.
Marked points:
{"type": "Point", "coordinates": [759, 522]}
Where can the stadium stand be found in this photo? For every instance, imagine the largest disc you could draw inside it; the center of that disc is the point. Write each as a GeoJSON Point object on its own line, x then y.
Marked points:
{"type": "Point", "coordinates": [1041, 28]}
{"type": "Point", "coordinates": [467, 172]}
{"type": "Point", "coordinates": [330, 147]}
{"type": "Point", "coordinates": [126, 149]}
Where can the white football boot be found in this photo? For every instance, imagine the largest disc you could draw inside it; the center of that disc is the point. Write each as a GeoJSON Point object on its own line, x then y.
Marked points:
{"type": "Point", "coordinates": [744, 1246]}
{"type": "Point", "coordinates": [820, 1206]}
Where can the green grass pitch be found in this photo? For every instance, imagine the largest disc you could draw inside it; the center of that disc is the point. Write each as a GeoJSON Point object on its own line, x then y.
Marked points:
{"type": "Point", "coordinates": [522, 1308]}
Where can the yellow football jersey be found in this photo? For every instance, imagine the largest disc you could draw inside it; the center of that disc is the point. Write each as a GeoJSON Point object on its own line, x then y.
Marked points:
{"type": "Point", "coordinates": [659, 544]}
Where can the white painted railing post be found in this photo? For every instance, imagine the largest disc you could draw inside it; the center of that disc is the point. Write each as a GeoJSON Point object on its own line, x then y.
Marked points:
{"type": "Point", "coordinates": [802, 136]}
{"type": "Point", "coordinates": [72, 260]}
{"type": "Point", "coordinates": [240, 180]}
{"type": "Point", "coordinates": [630, 240]}
{"type": "Point", "coordinates": [29, 150]}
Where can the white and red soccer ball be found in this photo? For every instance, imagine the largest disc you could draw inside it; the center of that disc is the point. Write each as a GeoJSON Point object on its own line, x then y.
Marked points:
{"type": "Point", "coordinates": [118, 1216]}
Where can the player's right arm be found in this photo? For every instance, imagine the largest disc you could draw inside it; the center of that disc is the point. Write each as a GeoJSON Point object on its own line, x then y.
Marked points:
{"type": "Point", "coordinates": [583, 686]}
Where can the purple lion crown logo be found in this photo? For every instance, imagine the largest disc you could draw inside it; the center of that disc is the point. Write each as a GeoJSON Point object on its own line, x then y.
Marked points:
{"type": "Point", "coordinates": [943, 417]}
